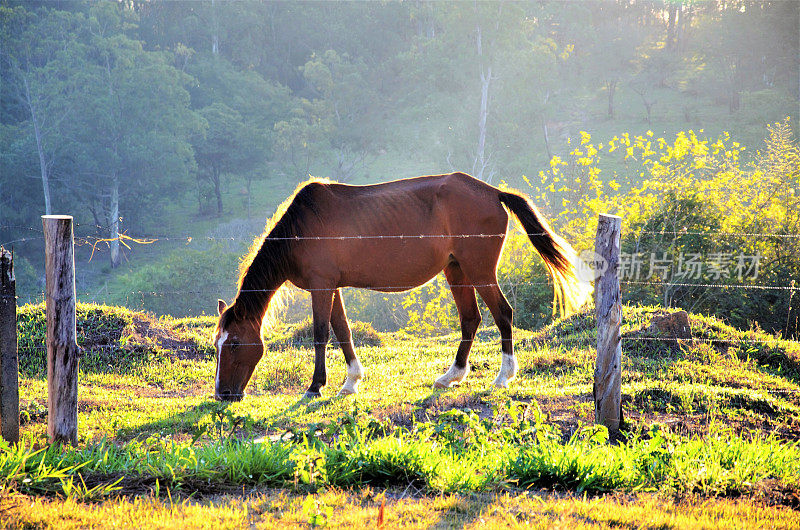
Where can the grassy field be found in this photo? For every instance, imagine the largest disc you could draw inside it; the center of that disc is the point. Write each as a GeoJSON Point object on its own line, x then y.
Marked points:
{"type": "Point", "coordinates": [711, 434]}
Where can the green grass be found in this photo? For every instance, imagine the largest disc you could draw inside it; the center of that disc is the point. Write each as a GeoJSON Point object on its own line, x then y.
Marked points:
{"type": "Point", "coordinates": [458, 453]}
{"type": "Point", "coordinates": [710, 418]}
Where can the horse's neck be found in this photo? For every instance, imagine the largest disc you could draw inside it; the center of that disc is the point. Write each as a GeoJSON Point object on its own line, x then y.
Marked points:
{"type": "Point", "coordinates": [255, 295]}
{"type": "Point", "coordinates": [266, 273]}
{"type": "Point", "coordinates": [253, 301]}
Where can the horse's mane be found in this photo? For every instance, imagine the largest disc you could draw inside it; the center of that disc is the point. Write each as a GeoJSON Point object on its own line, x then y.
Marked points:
{"type": "Point", "coordinates": [267, 263]}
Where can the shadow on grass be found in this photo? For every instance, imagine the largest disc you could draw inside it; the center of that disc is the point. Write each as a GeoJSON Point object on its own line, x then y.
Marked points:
{"type": "Point", "coordinates": [187, 422]}
{"type": "Point", "coordinates": [214, 419]}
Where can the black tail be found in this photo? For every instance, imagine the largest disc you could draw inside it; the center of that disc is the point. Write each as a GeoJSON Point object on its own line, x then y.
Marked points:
{"type": "Point", "coordinates": [569, 293]}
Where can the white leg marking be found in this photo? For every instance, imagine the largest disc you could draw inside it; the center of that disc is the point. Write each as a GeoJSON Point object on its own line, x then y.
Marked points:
{"type": "Point", "coordinates": [354, 374]}
{"type": "Point", "coordinates": [508, 371]}
{"type": "Point", "coordinates": [451, 376]}
{"type": "Point", "coordinates": [222, 338]}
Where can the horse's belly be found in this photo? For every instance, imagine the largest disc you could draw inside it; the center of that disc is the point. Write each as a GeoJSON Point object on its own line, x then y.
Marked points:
{"type": "Point", "coordinates": [395, 268]}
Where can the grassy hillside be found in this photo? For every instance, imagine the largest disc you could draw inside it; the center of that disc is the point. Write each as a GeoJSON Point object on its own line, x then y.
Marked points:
{"type": "Point", "coordinates": [746, 380]}
{"type": "Point", "coordinates": [714, 416]}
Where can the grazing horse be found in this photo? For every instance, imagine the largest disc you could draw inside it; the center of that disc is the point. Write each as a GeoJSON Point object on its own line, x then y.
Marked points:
{"type": "Point", "coordinates": [386, 237]}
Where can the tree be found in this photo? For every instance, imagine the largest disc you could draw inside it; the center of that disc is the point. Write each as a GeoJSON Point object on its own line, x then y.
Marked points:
{"type": "Point", "coordinates": [132, 126]}
{"type": "Point", "coordinates": [344, 98]}
{"type": "Point", "coordinates": [241, 109]}
{"type": "Point", "coordinates": [748, 46]}
{"type": "Point", "coordinates": [42, 54]}
{"type": "Point", "coordinates": [229, 146]}
{"type": "Point", "coordinates": [616, 37]}
{"type": "Point", "coordinates": [535, 70]}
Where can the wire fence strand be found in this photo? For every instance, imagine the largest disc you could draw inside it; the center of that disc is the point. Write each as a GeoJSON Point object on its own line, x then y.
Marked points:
{"type": "Point", "coordinates": [396, 289]}
{"type": "Point", "coordinates": [190, 237]}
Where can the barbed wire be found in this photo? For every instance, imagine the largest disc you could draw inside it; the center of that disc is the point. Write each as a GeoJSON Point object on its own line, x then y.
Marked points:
{"type": "Point", "coordinates": [442, 236]}
{"type": "Point", "coordinates": [524, 341]}
{"type": "Point", "coordinates": [267, 392]}
{"type": "Point", "coordinates": [398, 289]}
{"type": "Point", "coordinates": [20, 240]}
{"type": "Point", "coordinates": [330, 238]}
{"type": "Point", "coordinates": [20, 227]}
{"type": "Point", "coordinates": [717, 233]}
{"type": "Point", "coordinates": [714, 285]}
{"type": "Point", "coordinates": [412, 236]}
{"type": "Point", "coordinates": [729, 342]}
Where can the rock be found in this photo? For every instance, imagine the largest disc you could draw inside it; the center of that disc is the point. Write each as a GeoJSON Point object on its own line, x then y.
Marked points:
{"type": "Point", "coordinates": [675, 325]}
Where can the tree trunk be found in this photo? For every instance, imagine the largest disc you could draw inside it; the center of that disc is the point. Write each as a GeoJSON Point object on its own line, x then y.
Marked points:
{"type": "Point", "coordinates": [673, 15]}
{"type": "Point", "coordinates": [481, 162]}
{"type": "Point", "coordinates": [113, 218]}
{"type": "Point", "coordinates": [249, 184]}
{"type": "Point", "coordinates": [39, 148]}
{"type": "Point", "coordinates": [735, 86]}
{"type": "Point", "coordinates": [546, 139]}
{"type": "Point", "coordinates": [683, 21]}
{"type": "Point", "coordinates": [214, 30]}
{"type": "Point", "coordinates": [199, 197]}
{"type": "Point", "coordinates": [43, 168]}
{"type": "Point", "coordinates": [479, 166]}
{"type": "Point", "coordinates": [612, 87]}
{"type": "Point", "coordinates": [217, 191]}
{"type": "Point", "coordinates": [544, 129]}
{"type": "Point", "coordinates": [113, 206]}
{"type": "Point", "coordinates": [98, 223]}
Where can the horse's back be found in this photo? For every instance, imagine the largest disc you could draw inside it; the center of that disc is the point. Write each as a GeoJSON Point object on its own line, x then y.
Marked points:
{"type": "Point", "coordinates": [438, 203]}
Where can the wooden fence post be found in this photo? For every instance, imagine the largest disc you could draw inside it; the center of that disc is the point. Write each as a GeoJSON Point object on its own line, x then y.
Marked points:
{"type": "Point", "coordinates": [62, 348]}
{"type": "Point", "coordinates": [608, 309]}
{"type": "Point", "coordinates": [9, 366]}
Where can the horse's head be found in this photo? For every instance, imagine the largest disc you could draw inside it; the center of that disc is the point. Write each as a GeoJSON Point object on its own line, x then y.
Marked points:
{"type": "Point", "coordinates": [239, 348]}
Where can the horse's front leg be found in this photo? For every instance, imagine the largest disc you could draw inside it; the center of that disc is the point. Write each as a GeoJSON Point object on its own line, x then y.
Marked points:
{"type": "Point", "coordinates": [342, 331]}
{"type": "Point", "coordinates": [321, 305]}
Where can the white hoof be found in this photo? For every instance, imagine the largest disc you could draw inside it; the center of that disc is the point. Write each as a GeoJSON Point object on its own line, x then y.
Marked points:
{"type": "Point", "coordinates": [452, 376]}
{"type": "Point", "coordinates": [349, 388]}
{"type": "Point", "coordinates": [355, 373]}
{"type": "Point", "coordinates": [508, 371]}
{"type": "Point", "coordinates": [500, 383]}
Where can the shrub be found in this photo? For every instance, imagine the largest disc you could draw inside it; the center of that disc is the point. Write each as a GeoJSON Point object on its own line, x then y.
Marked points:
{"type": "Point", "coordinates": [185, 282]}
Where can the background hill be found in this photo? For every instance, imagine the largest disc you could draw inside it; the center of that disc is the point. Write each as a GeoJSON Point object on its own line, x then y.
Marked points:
{"type": "Point", "coordinates": [188, 122]}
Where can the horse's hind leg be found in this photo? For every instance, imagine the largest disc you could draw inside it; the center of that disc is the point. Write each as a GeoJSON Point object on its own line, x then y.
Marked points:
{"type": "Point", "coordinates": [503, 316]}
{"type": "Point", "coordinates": [342, 331]}
{"type": "Point", "coordinates": [467, 305]}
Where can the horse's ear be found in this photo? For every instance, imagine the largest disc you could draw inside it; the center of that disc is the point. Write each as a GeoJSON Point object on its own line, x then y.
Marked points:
{"type": "Point", "coordinates": [221, 306]}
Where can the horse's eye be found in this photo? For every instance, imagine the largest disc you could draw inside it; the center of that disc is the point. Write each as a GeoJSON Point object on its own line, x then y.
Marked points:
{"type": "Point", "coordinates": [234, 346]}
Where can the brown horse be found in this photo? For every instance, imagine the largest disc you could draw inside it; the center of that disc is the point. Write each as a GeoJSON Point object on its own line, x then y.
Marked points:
{"type": "Point", "coordinates": [387, 237]}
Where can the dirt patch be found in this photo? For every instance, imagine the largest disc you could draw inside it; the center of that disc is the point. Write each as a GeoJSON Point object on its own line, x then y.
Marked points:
{"type": "Point", "coordinates": [675, 325]}
{"type": "Point", "coordinates": [144, 332]}
{"type": "Point", "coordinates": [773, 492]}
{"type": "Point", "coordinates": [405, 414]}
